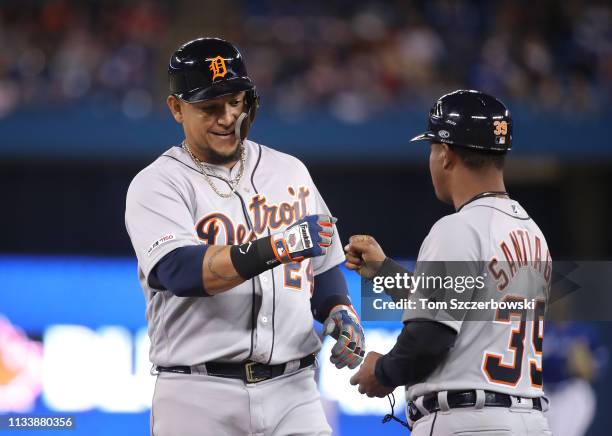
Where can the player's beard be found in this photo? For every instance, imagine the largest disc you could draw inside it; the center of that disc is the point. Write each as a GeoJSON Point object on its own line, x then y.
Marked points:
{"type": "Point", "coordinates": [213, 157]}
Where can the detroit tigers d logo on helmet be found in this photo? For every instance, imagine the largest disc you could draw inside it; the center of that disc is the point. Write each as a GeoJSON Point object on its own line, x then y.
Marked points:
{"type": "Point", "coordinates": [218, 68]}
{"type": "Point", "coordinates": [207, 68]}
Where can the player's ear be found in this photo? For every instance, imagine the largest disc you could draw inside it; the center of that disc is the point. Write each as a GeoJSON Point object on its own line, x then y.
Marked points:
{"type": "Point", "coordinates": [175, 107]}
{"type": "Point", "coordinates": [448, 157]}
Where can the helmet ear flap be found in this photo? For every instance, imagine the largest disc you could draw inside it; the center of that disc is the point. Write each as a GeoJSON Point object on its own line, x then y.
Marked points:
{"type": "Point", "coordinates": [252, 100]}
{"type": "Point", "coordinates": [245, 120]}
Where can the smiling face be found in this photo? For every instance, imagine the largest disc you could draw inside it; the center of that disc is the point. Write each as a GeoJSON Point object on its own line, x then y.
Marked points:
{"type": "Point", "coordinates": [209, 126]}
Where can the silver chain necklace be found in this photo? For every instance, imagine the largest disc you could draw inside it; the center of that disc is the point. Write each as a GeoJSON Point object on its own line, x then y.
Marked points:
{"type": "Point", "coordinates": [204, 168]}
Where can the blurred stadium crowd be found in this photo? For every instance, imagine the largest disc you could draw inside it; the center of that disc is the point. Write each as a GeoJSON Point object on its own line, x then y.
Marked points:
{"type": "Point", "coordinates": [354, 58]}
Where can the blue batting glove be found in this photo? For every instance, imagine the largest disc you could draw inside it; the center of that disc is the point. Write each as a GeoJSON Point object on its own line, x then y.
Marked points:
{"type": "Point", "coordinates": [308, 237]}
{"type": "Point", "coordinates": [343, 325]}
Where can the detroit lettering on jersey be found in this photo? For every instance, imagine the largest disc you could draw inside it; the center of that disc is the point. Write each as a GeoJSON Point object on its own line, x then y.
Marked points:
{"type": "Point", "coordinates": [519, 250]}
{"type": "Point", "coordinates": [264, 216]}
{"type": "Point", "coordinates": [171, 196]}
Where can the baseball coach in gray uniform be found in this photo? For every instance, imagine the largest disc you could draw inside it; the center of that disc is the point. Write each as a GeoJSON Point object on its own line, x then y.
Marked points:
{"type": "Point", "coordinates": [476, 371]}
{"type": "Point", "coordinates": [237, 254]}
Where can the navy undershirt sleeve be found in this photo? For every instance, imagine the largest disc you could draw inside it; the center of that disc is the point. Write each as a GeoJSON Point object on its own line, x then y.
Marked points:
{"type": "Point", "coordinates": [330, 290]}
{"type": "Point", "coordinates": [180, 272]}
{"type": "Point", "coordinates": [421, 347]}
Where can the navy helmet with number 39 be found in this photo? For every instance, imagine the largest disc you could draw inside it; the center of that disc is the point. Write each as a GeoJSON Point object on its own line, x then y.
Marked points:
{"type": "Point", "coordinates": [471, 119]}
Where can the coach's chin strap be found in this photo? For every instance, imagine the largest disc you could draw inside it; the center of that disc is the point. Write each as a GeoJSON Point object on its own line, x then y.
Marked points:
{"type": "Point", "coordinates": [391, 416]}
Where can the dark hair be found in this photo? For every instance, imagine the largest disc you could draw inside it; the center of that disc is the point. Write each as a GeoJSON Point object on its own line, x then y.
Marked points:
{"type": "Point", "coordinates": [478, 159]}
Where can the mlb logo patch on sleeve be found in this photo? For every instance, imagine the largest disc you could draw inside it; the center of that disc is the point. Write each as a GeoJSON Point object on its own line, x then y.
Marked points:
{"type": "Point", "coordinates": [160, 241]}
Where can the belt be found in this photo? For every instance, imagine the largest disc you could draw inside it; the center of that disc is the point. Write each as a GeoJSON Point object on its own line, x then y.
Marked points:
{"type": "Point", "coordinates": [464, 399]}
{"type": "Point", "coordinates": [248, 372]}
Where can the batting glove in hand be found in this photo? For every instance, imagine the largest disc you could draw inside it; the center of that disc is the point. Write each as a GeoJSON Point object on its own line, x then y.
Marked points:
{"type": "Point", "coordinates": [308, 237]}
{"type": "Point", "coordinates": [344, 326]}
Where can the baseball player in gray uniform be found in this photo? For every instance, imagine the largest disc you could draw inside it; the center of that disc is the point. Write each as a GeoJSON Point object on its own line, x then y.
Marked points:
{"type": "Point", "coordinates": [237, 254]}
{"type": "Point", "coordinates": [464, 375]}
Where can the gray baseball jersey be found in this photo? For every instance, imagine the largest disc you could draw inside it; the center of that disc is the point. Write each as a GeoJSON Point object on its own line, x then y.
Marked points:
{"type": "Point", "coordinates": [503, 354]}
{"type": "Point", "coordinates": [267, 319]}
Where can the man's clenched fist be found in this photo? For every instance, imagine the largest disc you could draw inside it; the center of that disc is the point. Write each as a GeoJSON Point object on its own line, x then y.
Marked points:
{"type": "Point", "coordinates": [364, 255]}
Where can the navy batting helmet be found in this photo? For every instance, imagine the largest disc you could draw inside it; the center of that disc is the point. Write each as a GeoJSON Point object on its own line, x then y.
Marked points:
{"type": "Point", "coordinates": [207, 68]}
{"type": "Point", "coordinates": [471, 119]}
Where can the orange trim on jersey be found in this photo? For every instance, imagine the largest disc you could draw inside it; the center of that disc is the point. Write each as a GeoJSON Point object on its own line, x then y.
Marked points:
{"type": "Point", "coordinates": [497, 275]}
{"type": "Point", "coordinates": [241, 232]}
{"type": "Point", "coordinates": [223, 223]}
{"type": "Point", "coordinates": [528, 237]}
{"type": "Point", "coordinates": [310, 276]}
{"type": "Point", "coordinates": [271, 216]}
{"type": "Point", "coordinates": [533, 363]}
{"type": "Point", "coordinates": [499, 357]}
{"type": "Point", "coordinates": [540, 330]}
{"type": "Point", "coordinates": [512, 268]}
{"type": "Point", "coordinates": [548, 267]}
{"type": "Point", "coordinates": [521, 257]}
{"type": "Point", "coordinates": [521, 233]}
{"type": "Point", "coordinates": [537, 257]}
{"type": "Point", "coordinates": [286, 207]}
